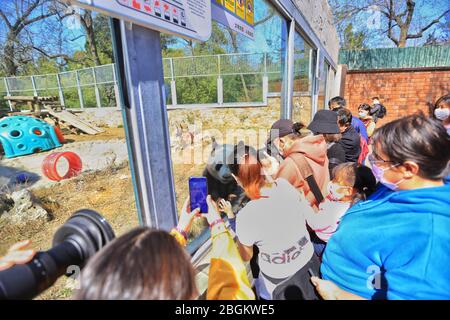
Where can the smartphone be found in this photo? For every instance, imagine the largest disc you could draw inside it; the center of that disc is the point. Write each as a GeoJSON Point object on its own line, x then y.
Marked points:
{"type": "Point", "coordinates": [198, 191]}
{"type": "Point", "coordinates": [311, 273]}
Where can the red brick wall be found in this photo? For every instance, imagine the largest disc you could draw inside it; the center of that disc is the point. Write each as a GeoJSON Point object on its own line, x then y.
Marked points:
{"type": "Point", "coordinates": [401, 92]}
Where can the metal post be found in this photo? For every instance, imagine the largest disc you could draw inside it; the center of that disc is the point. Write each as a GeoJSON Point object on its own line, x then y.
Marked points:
{"type": "Point", "coordinates": [265, 63]}
{"type": "Point", "coordinates": [60, 91]}
{"type": "Point", "coordinates": [8, 93]}
{"type": "Point", "coordinates": [33, 83]}
{"type": "Point", "coordinates": [116, 87]}
{"type": "Point", "coordinates": [219, 82]}
{"type": "Point", "coordinates": [265, 88]}
{"type": "Point", "coordinates": [286, 111]}
{"type": "Point", "coordinates": [80, 93]}
{"type": "Point", "coordinates": [146, 122]}
{"type": "Point", "coordinates": [173, 85]}
{"type": "Point", "coordinates": [97, 92]}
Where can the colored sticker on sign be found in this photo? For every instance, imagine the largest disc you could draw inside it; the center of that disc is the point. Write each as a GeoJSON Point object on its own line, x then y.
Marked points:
{"type": "Point", "coordinates": [230, 5]}
{"type": "Point", "coordinates": [240, 9]}
{"type": "Point", "coordinates": [249, 16]}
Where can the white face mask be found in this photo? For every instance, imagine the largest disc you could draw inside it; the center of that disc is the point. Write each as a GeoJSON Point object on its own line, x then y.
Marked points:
{"type": "Point", "coordinates": [333, 191]}
{"type": "Point", "coordinates": [362, 114]}
{"type": "Point", "coordinates": [442, 113]}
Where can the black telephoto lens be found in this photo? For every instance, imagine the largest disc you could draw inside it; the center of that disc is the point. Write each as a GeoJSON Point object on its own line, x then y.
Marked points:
{"type": "Point", "coordinates": [83, 234]}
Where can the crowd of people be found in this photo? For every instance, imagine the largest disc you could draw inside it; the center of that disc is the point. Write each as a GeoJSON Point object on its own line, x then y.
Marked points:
{"type": "Point", "coordinates": [322, 223]}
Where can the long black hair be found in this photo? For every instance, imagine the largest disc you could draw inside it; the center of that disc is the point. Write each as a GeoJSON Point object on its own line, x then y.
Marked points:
{"type": "Point", "coordinates": [419, 139]}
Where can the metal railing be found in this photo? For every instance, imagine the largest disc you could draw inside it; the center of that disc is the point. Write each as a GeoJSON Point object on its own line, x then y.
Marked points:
{"type": "Point", "coordinates": [231, 80]}
{"type": "Point", "coordinates": [88, 87]}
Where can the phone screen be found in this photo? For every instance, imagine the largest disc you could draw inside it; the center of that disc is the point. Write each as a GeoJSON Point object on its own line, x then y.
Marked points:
{"type": "Point", "coordinates": [198, 191]}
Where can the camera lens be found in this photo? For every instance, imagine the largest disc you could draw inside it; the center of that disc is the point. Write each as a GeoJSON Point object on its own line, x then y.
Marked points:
{"type": "Point", "coordinates": [83, 234]}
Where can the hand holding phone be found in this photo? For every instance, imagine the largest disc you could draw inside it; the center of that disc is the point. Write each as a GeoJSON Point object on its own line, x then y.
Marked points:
{"type": "Point", "coordinates": [198, 191]}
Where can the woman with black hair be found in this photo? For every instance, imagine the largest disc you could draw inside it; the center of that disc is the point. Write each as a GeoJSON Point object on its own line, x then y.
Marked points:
{"type": "Point", "coordinates": [441, 111]}
{"type": "Point", "coordinates": [364, 115]}
{"type": "Point", "coordinates": [395, 244]}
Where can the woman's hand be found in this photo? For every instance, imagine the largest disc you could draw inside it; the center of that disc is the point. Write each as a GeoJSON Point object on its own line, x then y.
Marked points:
{"type": "Point", "coordinates": [329, 291]}
{"type": "Point", "coordinates": [225, 206]}
{"type": "Point", "coordinates": [17, 254]}
{"type": "Point", "coordinates": [187, 216]}
{"type": "Point", "coordinates": [213, 212]}
{"type": "Point", "coordinates": [270, 165]}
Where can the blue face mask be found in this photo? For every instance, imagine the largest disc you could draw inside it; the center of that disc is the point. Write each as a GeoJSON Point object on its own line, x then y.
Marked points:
{"type": "Point", "coordinates": [442, 114]}
{"type": "Point", "coordinates": [379, 172]}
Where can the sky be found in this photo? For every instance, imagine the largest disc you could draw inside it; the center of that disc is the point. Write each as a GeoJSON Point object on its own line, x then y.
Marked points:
{"type": "Point", "coordinates": [425, 12]}
{"type": "Point", "coordinates": [271, 31]}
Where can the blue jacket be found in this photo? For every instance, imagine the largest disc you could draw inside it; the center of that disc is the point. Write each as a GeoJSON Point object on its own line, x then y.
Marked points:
{"type": "Point", "coordinates": [360, 128]}
{"type": "Point", "coordinates": [405, 235]}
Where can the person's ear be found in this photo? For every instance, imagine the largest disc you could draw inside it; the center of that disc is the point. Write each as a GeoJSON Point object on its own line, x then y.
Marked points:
{"type": "Point", "coordinates": [410, 169]}
{"type": "Point", "coordinates": [349, 191]}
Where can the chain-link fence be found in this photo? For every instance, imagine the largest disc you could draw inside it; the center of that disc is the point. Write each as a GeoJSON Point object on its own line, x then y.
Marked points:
{"type": "Point", "coordinates": [241, 79]}
{"type": "Point", "coordinates": [83, 88]}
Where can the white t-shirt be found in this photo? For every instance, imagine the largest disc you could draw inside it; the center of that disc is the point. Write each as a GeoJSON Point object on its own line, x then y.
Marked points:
{"type": "Point", "coordinates": [276, 224]}
{"type": "Point", "coordinates": [326, 221]}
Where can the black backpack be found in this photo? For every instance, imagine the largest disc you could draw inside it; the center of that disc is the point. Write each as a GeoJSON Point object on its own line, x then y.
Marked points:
{"type": "Point", "coordinates": [380, 112]}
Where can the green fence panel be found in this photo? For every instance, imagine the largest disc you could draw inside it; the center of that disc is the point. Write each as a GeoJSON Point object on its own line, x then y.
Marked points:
{"type": "Point", "coordinates": [396, 58]}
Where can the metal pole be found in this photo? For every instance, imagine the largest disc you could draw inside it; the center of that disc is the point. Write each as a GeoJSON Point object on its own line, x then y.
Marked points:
{"type": "Point", "coordinates": [60, 91]}
{"type": "Point", "coordinates": [33, 83]}
{"type": "Point", "coordinates": [97, 92]}
{"type": "Point", "coordinates": [146, 123]}
{"type": "Point", "coordinates": [8, 93]}
{"type": "Point", "coordinates": [219, 82]}
{"type": "Point", "coordinates": [286, 111]}
{"type": "Point", "coordinates": [265, 63]}
{"type": "Point", "coordinates": [173, 85]}
{"type": "Point", "coordinates": [80, 93]}
{"type": "Point", "coordinates": [116, 87]}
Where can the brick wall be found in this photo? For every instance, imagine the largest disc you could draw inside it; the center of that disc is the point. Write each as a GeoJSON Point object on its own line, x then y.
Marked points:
{"type": "Point", "coordinates": [401, 91]}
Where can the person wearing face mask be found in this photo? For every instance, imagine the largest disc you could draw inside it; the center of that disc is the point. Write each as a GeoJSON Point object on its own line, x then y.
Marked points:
{"type": "Point", "coordinates": [395, 244]}
{"type": "Point", "coordinates": [351, 183]}
{"type": "Point", "coordinates": [441, 111]}
{"type": "Point", "coordinates": [274, 220]}
{"type": "Point", "coordinates": [304, 159]}
{"type": "Point", "coordinates": [367, 119]}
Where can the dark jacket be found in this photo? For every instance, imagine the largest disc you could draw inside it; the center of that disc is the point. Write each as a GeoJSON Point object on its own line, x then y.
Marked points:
{"type": "Point", "coordinates": [336, 155]}
{"type": "Point", "coordinates": [351, 142]}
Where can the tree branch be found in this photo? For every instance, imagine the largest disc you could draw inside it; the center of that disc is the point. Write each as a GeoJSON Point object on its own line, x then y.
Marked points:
{"type": "Point", "coordinates": [391, 18]}
{"type": "Point", "coordinates": [5, 18]}
{"type": "Point", "coordinates": [432, 23]}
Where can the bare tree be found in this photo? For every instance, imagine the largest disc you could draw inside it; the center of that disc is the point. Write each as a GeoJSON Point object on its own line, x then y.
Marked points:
{"type": "Point", "coordinates": [86, 20]}
{"type": "Point", "coordinates": [18, 18]}
{"type": "Point", "coordinates": [400, 17]}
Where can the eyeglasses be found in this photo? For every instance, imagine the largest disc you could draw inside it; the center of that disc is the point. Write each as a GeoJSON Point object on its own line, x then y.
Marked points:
{"type": "Point", "coordinates": [374, 158]}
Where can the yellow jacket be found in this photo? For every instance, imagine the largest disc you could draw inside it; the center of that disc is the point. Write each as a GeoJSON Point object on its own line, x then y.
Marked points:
{"type": "Point", "coordinates": [227, 279]}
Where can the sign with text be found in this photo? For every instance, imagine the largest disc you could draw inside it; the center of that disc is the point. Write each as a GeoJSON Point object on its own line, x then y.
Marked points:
{"type": "Point", "coordinates": [186, 18]}
{"type": "Point", "coordinates": [238, 15]}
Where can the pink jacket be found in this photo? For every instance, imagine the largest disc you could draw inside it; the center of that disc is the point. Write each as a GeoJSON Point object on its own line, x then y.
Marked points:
{"type": "Point", "coordinates": [314, 148]}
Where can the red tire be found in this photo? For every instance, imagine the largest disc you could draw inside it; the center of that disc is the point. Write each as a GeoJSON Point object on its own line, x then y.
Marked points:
{"type": "Point", "coordinates": [49, 165]}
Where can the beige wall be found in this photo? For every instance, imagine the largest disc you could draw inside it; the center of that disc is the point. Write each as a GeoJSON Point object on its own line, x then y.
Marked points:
{"type": "Point", "coordinates": [320, 17]}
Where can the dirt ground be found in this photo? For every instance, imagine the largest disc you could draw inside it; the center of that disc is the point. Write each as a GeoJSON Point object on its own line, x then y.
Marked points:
{"type": "Point", "coordinates": [115, 201]}
{"type": "Point", "coordinates": [110, 190]}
